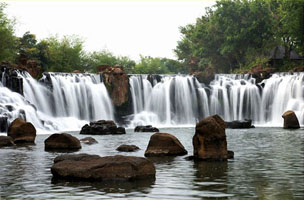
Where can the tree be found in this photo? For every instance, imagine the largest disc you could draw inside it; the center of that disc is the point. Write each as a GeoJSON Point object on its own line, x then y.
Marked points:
{"type": "Point", "coordinates": [62, 55]}
{"type": "Point", "coordinates": [149, 65]}
{"type": "Point", "coordinates": [27, 48]}
{"type": "Point", "coordinates": [8, 42]}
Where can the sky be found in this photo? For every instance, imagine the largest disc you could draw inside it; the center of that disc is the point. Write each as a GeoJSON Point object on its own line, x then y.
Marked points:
{"type": "Point", "coordinates": [125, 28]}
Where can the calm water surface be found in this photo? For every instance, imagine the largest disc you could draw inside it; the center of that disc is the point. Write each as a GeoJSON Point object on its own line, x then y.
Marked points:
{"type": "Point", "coordinates": [268, 164]}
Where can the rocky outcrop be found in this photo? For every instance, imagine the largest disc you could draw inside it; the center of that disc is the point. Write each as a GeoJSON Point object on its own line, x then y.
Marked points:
{"type": "Point", "coordinates": [205, 76]}
{"type": "Point", "coordinates": [88, 140]}
{"type": "Point", "coordinates": [102, 127]}
{"type": "Point", "coordinates": [62, 142]}
{"type": "Point", "coordinates": [127, 148]}
{"type": "Point", "coordinates": [147, 128]}
{"type": "Point", "coordinates": [209, 141]}
{"type": "Point", "coordinates": [21, 131]}
{"type": "Point", "coordinates": [164, 144]}
{"type": "Point", "coordinates": [239, 124]}
{"type": "Point", "coordinates": [6, 141]}
{"type": "Point", "coordinates": [85, 167]}
{"type": "Point", "coordinates": [10, 79]}
{"type": "Point", "coordinates": [260, 73]}
{"type": "Point", "coordinates": [117, 84]}
{"type": "Point", "coordinates": [290, 120]}
{"type": "Point", "coordinates": [3, 123]}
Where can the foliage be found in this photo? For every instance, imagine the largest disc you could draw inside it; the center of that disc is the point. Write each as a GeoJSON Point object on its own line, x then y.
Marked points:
{"type": "Point", "coordinates": [149, 65]}
{"type": "Point", "coordinates": [8, 42]}
{"type": "Point", "coordinates": [239, 33]}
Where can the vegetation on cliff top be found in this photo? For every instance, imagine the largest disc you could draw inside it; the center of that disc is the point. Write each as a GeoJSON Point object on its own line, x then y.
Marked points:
{"type": "Point", "coordinates": [233, 35]}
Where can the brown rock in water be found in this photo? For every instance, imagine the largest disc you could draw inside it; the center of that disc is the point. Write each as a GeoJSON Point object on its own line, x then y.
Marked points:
{"type": "Point", "coordinates": [290, 120]}
{"type": "Point", "coordinates": [94, 168]}
{"type": "Point", "coordinates": [62, 142]}
{"type": "Point", "coordinates": [164, 144]}
{"type": "Point", "coordinates": [6, 141]}
{"type": "Point", "coordinates": [209, 141]}
{"type": "Point", "coordinates": [21, 131]}
{"type": "Point", "coordinates": [127, 148]}
{"type": "Point", "coordinates": [88, 140]}
{"type": "Point", "coordinates": [102, 127]}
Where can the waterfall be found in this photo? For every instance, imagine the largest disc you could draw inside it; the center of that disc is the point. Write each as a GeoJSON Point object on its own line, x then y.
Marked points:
{"type": "Point", "coordinates": [59, 101]}
{"type": "Point", "coordinates": [182, 100]}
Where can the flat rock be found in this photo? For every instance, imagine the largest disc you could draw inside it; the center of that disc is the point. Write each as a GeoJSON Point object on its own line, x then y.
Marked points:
{"type": "Point", "coordinates": [88, 140]}
{"type": "Point", "coordinates": [85, 167]}
{"type": "Point", "coordinates": [102, 127]}
{"type": "Point", "coordinates": [239, 124]}
{"type": "Point", "coordinates": [127, 148]}
{"type": "Point", "coordinates": [6, 141]}
{"type": "Point", "coordinates": [164, 144]}
{"type": "Point", "coordinates": [147, 128]}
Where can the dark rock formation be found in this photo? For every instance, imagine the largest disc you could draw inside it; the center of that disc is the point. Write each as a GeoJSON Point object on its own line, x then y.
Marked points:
{"type": "Point", "coordinates": [110, 168]}
{"type": "Point", "coordinates": [21, 131]}
{"type": "Point", "coordinates": [118, 86]}
{"type": "Point", "coordinates": [154, 78]}
{"type": "Point", "coordinates": [260, 73]}
{"type": "Point", "coordinates": [6, 141]}
{"type": "Point", "coordinates": [290, 120]}
{"type": "Point", "coordinates": [62, 142]}
{"type": "Point", "coordinates": [205, 76]}
{"type": "Point", "coordinates": [240, 124]}
{"type": "Point", "coordinates": [127, 148]}
{"type": "Point", "coordinates": [209, 141]}
{"type": "Point", "coordinates": [164, 144]}
{"type": "Point", "coordinates": [230, 154]}
{"type": "Point", "coordinates": [88, 140]}
{"type": "Point", "coordinates": [10, 79]}
{"type": "Point", "coordinates": [3, 124]}
{"type": "Point", "coordinates": [102, 127]}
{"type": "Point", "coordinates": [147, 128]}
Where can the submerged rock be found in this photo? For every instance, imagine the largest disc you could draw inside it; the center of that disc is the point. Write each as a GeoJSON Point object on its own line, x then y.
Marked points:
{"type": "Point", "coordinates": [240, 124]}
{"type": "Point", "coordinates": [102, 127]}
{"type": "Point", "coordinates": [88, 140]}
{"type": "Point", "coordinates": [147, 128]}
{"type": "Point", "coordinates": [21, 131]}
{"type": "Point", "coordinates": [164, 144]}
{"type": "Point", "coordinates": [86, 167]}
{"type": "Point", "coordinates": [209, 141]}
{"type": "Point", "coordinates": [6, 141]}
{"type": "Point", "coordinates": [127, 148]}
{"type": "Point", "coordinates": [62, 142]}
{"type": "Point", "coordinates": [290, 120]}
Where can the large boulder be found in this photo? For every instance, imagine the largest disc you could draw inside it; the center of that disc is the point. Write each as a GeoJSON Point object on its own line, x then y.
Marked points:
{"type": "Point", "coordinates": [247, 123]}
{"type": "Point", "coordinates": [6, 141]}
{"type": "Point", "coordinates": [290, 120]}
{"type": "Point", "coordinates": [102, 127]}
{"type": "Point", "coordinates": [164, 144]}
{"type": "Point", "coordinates": [147, 128]}
{"type": "Point", "coordinates": [21, 131]}
{"type": "Point", "coordinates": [94, 168]}
{"type": "Point", "coordinates": [209, 140]}
{"type": "Point", "coordinates": [127, 148]}
{"type": "Point", "coordinates": [62, 142]}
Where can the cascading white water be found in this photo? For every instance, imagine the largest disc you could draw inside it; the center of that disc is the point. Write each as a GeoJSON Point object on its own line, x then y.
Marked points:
{"type": "Point", "coordinates": [181, 100]}
{"type": "Point", "coordinates": [70, 101]}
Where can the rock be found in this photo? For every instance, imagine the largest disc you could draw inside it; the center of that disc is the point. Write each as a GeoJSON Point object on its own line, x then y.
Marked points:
{"type": "Point", "coordinates": [118, 87]}
{"type": "Point", "coordinates": [164, 144]}
{"type": "Point", "coordinates": [62, 142]}
{"type": "Point", "coordinates": [209, 141]}
{"type": "Point", "coordinates": [21, 131]}
{"type": "Point", "coordinates": [9, 77]}
{"type": "Point", "coordinates": [127, 148]}
{"type": "Point", "coordinates": [240, 124]}
{"type": "Point", "coordinates": [76, 71]}
{"type": "Point", "coordinates": [6, 141]}
{"type": "Point", "coordinates": [147, 128]}
{"type": "Point", "coordinates": [205, 76]}
{"type": "Point", "coordinates": [102, 127]}
{"type": "Point", "coordinates": [3, 124]}
{"type": "Point", "coordinates": [230, 154]}
{"type": "Point", "coordinates": [260, 73]}
{"type": "Point", "coordinates": [290, 120]}
{"type": "Point", "coordinates": [110, 168]}
{"type": "Point", "coordinates": [88, 140]}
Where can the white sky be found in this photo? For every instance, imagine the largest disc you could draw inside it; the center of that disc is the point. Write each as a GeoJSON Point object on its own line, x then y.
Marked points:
{"type": "Point", "coordinates": [127, 28]}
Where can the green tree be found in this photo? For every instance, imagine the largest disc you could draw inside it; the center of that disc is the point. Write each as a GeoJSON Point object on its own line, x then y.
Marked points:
{"type": "Point", "coordinates": [8, 42]}
{"type": "Point", "coordinates": [27, 48]}
{"type": "Point", "coordinates": [62, 55]}
{"type": "Point", "coordinates": [149, 65]}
